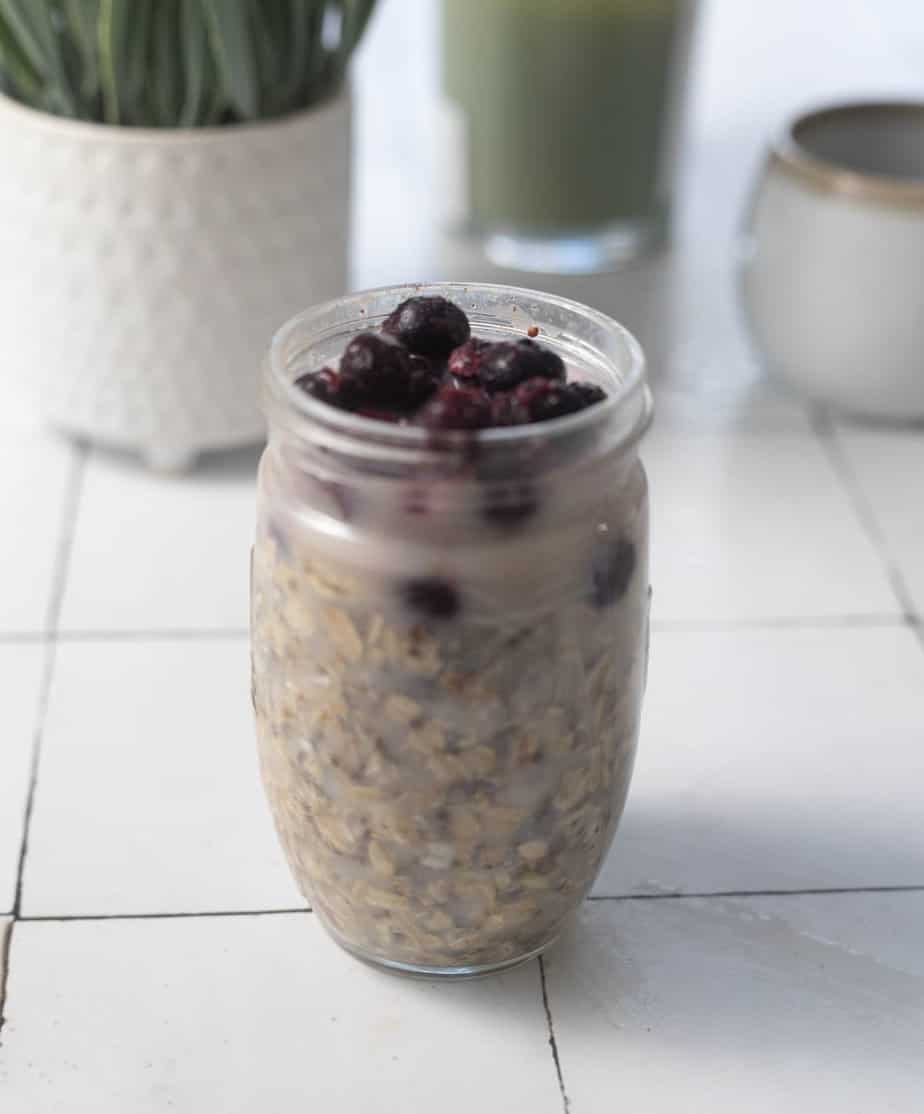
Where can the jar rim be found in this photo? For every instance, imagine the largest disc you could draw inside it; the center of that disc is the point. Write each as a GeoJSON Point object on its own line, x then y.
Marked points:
{"type": "Point", "coordinates": [630, 394]}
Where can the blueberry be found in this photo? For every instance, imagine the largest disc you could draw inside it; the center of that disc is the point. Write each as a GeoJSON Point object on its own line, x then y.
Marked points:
{"type": "Point", "coordinates": [587, 394]}
{"type": "Point", "coordinates": [456, 408]}
{"type": "Point", "coordinates": [465, 362]}
{"type": "Point", "coordinates": [377, 369]}
{"type": "Point", "coordinates": [511, 362]}
{"type": "Point", "coordinates": [434, 597]}
{"type": "Point", "coordinates": [423, 381]}
{"type": "Point", "coordinates": [544, 399]}
{"type": "Point", "coordinates": [506, 410]}
{"type": "Point", "coordinates": [326, 386]}
{"type": "Point", "coordinates": [428, 326]}
{"type": "Point", "coordinates": [613, 569]}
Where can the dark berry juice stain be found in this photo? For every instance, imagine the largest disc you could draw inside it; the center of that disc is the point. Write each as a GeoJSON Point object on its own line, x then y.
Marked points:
{"type": "Point", "coordinates": [432, 596]}
{"type": "Point", "coordinates": [463, 408]}
{"type": "Point", "coordinates": [613, 569]}
{"type": "Point", "coordinates": [510, 506]}
{"type": "Point", "coordinates": [342, 498]}
{"type": "Point", "coordinates": [416, 501]}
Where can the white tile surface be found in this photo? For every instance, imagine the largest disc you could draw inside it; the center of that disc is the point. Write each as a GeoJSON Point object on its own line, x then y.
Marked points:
{"type": "Point", "coordinates": [749, 527]}
{"type": "Point", "coordinates": [149, 797]}
{"type": "Point", "coordinates": [889, 468]}
{"type": "Point", "coordinates": [161, 553]}
{"type": "Point", "coordinates": [240, 1015]}
{"type": "Point", "coordinates": [764, 1005]}
{"type": "Point", "coordinates": [21, 669]}
{"type": "Point", "coordinates": [34, 471]}
{"type": "Point", "coordinates": [776, 759]}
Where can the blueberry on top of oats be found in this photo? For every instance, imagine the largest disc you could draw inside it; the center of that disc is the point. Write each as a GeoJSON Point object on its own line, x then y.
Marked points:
{"type": "Point", "coordinates": [377, 368]}
{"type": "Point", "coordinates": [511, 362]}
{"type": "Point", "coordinates": [426, 368]}
{"type": "Point", "coordinates": [428, 326]}
{"type": "Point", "coordinates": [465, 361]}
{"type": "Point", "coordinates": [540, 400]}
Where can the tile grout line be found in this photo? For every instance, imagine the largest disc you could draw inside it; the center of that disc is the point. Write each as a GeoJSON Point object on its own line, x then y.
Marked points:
{"type": "Point", "coordinates": [210, 914]}
{"type": "Point", "coordinates": [790, 623]}
{"type": "Point", "coordinates": [5, 947]}
{"type": "Point", "coordinates": [660, 626]}
{"type": "Point", "coordinates": [205, 915]}
{"type": "Point", "coordinates": [826, 434]}
{"type": "Point", "coordinates": [69, 515]}
{"type": "Point", "coordinates": [70, 507]}
{"type": "Point", "coordinates": [553, 1043]}
{"type": "Point", "coordinates": [819, 891]}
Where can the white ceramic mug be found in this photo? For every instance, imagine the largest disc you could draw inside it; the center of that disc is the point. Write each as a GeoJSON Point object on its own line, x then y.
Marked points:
{"type": "Point", "coordinates": [833, 271]}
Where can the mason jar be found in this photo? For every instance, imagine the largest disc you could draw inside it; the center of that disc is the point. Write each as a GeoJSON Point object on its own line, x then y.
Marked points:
{"type": "Point", "coordinates": [449, 643]}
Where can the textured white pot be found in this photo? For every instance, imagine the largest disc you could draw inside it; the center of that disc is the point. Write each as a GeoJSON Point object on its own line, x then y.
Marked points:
{"type": "Point", "coordinates": [143, 271]}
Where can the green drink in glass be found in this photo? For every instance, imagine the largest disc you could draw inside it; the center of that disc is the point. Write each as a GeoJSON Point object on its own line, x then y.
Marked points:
{"type": "Point", "coordinates": [568, 114]}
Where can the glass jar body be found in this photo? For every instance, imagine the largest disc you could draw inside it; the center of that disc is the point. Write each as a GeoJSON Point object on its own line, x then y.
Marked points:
{"type": "Point", "coordinates": [448, 667]}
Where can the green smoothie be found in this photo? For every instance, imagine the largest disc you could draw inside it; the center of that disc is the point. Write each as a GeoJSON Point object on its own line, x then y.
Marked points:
{"type": "Point", "coordinates": [567, 108]}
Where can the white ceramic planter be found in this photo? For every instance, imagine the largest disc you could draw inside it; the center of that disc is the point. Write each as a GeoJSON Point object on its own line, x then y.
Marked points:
{"type": "Point", "coordinates": [143, 272]}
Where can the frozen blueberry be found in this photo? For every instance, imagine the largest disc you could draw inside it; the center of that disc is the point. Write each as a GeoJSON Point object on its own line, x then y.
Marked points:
{"type": "Point", "coordinates": [433, 597]}
{"type": "Point", "coordinates": [506, 410]}
{"type": "Point", "coordinates": [511, 362]}
{"type": "Point", "coordinates": [377, 369]}
{"type": "Point", "coordinates": [423, 381]}
{"type": "Point", "coordinates": [465, 362]}
{"type": "Point", "coordinates": [614, 567]}
{"type": "Point", "coordinates": [456, 408]}
{"type": "Point", "coordinates": [326, 386]}
{"type": "Point", "coordinates": [543, 399]}
{"type": "Point", "coordinates": [428, 326]}
{"type": "Point", "coordinates": [587, 394]}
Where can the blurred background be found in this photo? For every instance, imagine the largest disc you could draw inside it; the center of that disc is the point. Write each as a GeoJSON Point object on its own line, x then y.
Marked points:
{"type": "Point", "coordinates": [143, 270]}
{"type": "Point", "coordinates": [753, 68]}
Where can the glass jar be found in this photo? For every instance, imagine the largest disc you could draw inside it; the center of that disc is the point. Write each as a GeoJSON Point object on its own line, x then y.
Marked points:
{"type": "Point", "coordinates": [449, 641]}
{"type": "Point", "coordinates": [561, 122]}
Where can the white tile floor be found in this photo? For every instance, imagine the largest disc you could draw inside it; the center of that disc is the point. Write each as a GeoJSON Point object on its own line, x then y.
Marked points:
{"type": "Point", "coordinates": [886, 466]}
{"type": "Point", "coordinates": [154, 960]}
{"type": "Point", "coordinates": [332, 1036]}
{"type": "Point", "coordinates": [168, 815]}
{"type": "Point", "coordinates": [731, 1005]}
{"type": "Point", "coordinates": [777, 759]}
{"type": "Point", "coordinates": [756, 528]}
{"type": "Point", "coordinates": [34, 472]}
{"type": "Point", "coordinates": [144, 554]}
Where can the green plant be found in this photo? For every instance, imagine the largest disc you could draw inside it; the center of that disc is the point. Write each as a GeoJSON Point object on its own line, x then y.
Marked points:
{"type": "Point", "coordinates": [176, 63]}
